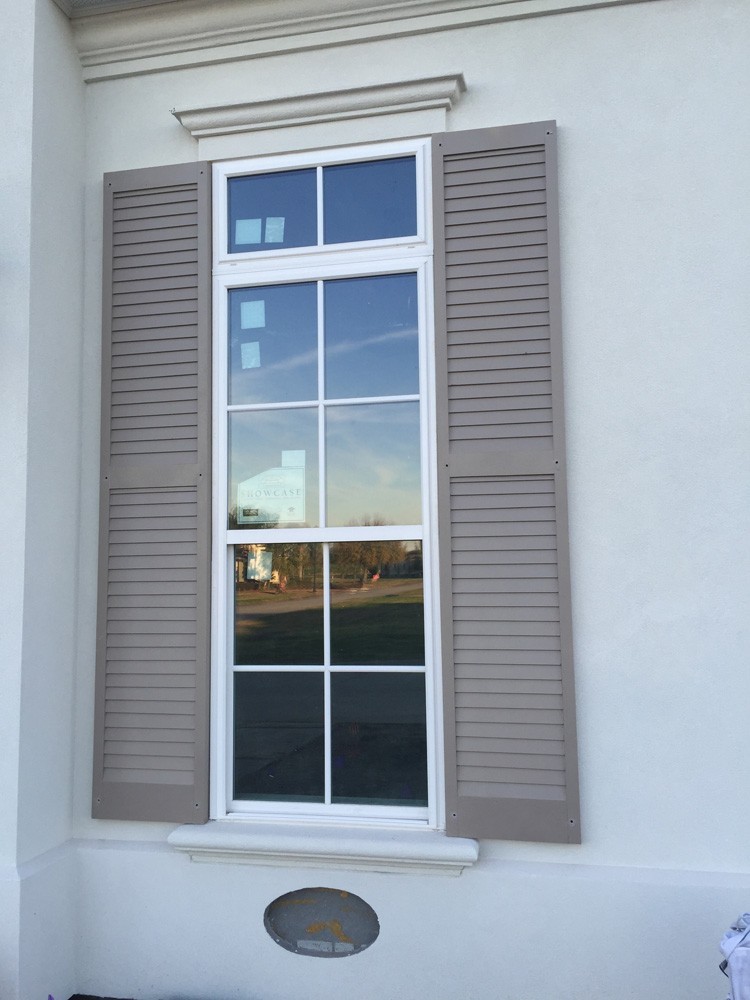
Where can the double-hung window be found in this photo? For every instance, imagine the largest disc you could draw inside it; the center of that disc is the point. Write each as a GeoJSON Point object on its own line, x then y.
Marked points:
{"type": "Point", "coordinates": [323, 650]}
{"type": "Point", "coordinates": [370, 515]}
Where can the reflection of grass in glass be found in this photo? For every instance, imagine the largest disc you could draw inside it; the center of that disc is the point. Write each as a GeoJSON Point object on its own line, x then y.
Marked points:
{"type": "Point", "coordinates": [371, 629]}
{"type": "Point", "coordinates": [250, 594]}
{"type": "Point", "coordinates": [286, 638]}
{"type": "Point", "coordinates": [387, 629]}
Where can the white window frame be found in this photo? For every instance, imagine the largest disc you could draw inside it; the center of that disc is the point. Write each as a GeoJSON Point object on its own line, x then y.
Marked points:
{"type": "Point", "coordinates": [319, 263]}
{"type": "Point", "coordinates": [223, 260]}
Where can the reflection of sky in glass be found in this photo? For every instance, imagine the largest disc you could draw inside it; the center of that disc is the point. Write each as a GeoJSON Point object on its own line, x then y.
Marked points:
{"type": "Point", "coordinates": [370, 201]}
{"type": "Point", "coordinates": [273, 345]}
{"type": "Point", "coordinates": [256, 442]}
{"type": "Point", "coordinates": [272, 211]}
{"type": "Point", "coordinates": [372, 346]}
{"type": "Point", "coordinates": [372, 456]}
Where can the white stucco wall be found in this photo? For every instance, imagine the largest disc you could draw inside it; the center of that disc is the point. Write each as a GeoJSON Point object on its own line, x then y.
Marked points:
{"type": "Point", "coordinates": [16, 117]}
{"type": "Point", "coordinates": [53, 429]}
{"type": "Point", "coordinates": [649, 100]}
{"type": "Point", "coordinates": [42, 293]}
{"type": "Point", "coordinates": [15, 199]}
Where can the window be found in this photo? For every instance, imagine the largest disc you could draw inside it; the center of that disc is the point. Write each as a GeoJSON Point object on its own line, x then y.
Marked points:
{"type": "Point", "coordinates": [322, 506]}
{"type": "Point", "coordinates": [300, 255]}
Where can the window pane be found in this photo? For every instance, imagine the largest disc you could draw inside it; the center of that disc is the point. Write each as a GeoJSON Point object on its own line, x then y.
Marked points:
{"type": "Point", "coordinates": [377, 604]}
{"type": "Point", "coordinates": [379, 750]}
{"type": "Point", "coordinates": [370, 201]}
{"type": "Point", "coordinates": [278, 737]}
{"type": "Point", "coordinates": [373, 464]}
{"type": "Point", "coordinates": [273, 343]}
{"type": "Point", "coordinates": [278, 605]}
{"type": "Point", "coordinates": [272, 211]}
{"type": "Point", "coordinates": [273, 469]}
{"type": "Point", "coordinates": [371, 336]}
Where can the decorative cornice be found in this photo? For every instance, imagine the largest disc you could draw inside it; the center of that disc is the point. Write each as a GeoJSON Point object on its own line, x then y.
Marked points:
{"type": "Point", "coordinates": [85, 8]}
{"type": "Point", "coordinates": [332, 105]}
{"type": "Point", "coordinates": [177, 33]}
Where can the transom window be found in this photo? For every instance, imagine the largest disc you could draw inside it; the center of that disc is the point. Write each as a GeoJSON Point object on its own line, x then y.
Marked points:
{"type": "Point", "coordinates": [338, 203]}
{"type": "Point", "coordinates": [323, 645]}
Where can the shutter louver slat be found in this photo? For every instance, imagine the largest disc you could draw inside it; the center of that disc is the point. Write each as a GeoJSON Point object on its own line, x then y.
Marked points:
{"type": "Point", "coordinates": [152, 671]}
{"type": "Point", "coordinates": [510, 733]}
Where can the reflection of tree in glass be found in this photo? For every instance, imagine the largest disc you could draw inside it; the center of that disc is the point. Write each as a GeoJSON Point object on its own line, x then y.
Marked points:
{"type": "Point", "coordinates": [298, 564]}
{"type": "Point", "coordinates": [294, 566]}
{"type": "Point", "coordinates": [357, 559]}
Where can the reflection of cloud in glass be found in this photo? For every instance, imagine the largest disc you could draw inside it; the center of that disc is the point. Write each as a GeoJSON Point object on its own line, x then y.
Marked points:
{"type": "Point", "coordinates": [372, 345]}
{"type": "Point", "coordinates": [292, 362]}
{"type": "Point", "coordinates": [345, 347]}
{"type": "Point", "coordinates": [286, 331]}
{"type": "Point", "coordinates": [373, 463]}
{"type": "Point", "coordinates": [381, 338]}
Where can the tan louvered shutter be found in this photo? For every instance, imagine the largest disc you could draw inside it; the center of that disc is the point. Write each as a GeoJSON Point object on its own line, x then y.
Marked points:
{"type": "Point", "coordinates": [511, 768]}
{"type": "Point", "coordinates": [151, 725]}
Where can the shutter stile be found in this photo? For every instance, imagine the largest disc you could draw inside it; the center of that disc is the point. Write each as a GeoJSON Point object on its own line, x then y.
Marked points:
{"type": "Point", "coordinates": [151, 728]}
{"type": "Point", "coordinates": [511, 768]}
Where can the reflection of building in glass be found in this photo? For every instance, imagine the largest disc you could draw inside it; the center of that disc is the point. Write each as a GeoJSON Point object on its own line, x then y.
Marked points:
{"type": "Point", "coordinates": [410, 565]}
{"type": "Point", "coordinates": [260, 564]}
{"type": "Point", "coordinates": [254, 564]}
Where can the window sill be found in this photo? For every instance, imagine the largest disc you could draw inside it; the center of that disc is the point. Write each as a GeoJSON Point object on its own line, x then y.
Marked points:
{"type": "Point", "coordinates": [310, 846]}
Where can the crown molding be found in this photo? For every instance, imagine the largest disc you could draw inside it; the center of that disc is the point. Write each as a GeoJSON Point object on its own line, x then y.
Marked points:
{"type": "Point", "coordinates": [334, 105]}
{"type": "Point", "coordinates": [86, 8]}
{"type": "Point", "coordinates": [170, 34]}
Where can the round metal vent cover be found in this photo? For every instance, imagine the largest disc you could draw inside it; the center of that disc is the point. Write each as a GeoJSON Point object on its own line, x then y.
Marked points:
{"type": "Point", "coordinates": [325, 923]}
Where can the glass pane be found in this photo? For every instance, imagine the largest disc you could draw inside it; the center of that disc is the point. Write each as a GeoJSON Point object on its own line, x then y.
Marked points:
{"type": "Point", "coordinates": [272, 211]}
{"type": "Point", "coordinates": [273, 343]}
{"type": "Point", "coordinates": [379, 750]}
{"type": "Point", "coordinates": [377, 604]}
{"type": "Point", "coordinates": [370, 201]}
{"type": "Point", "coordinates": [278, 737]}
{"type": "Point", "coordinates": [373, 464]}
{"type": "Point", "coordinates": [371, 336]}
{"type": "Point", "coordinates": [278, 605]}
{"type": "Point", "coordinates": [273, 469]}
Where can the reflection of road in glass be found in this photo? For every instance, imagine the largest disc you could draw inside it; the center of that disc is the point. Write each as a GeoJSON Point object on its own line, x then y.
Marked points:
{"type": "Point", "coordinates": [273, 602]}
{"type": "Point", "coordinates": [381, 624]}
{"type": "Point", "coordinates": [378, 745]}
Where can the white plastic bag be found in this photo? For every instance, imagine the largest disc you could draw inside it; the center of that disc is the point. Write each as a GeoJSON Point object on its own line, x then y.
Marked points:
{"type": "Point", "coordinates": [735, 946]}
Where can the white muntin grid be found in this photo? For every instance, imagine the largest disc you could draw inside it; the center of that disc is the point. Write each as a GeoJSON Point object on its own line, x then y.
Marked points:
{"type": "Point", "coordinates": [318, 264]}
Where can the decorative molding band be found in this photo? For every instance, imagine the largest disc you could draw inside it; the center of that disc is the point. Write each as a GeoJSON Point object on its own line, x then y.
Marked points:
{"type": "Point", "coordinates": [332, 105]}
{"type": "Point", "coordinates": [204, 32]}
{"type": "Point", "coordinates": [383, 850]}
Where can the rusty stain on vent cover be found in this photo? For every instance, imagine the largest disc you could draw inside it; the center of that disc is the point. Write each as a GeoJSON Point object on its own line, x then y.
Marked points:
{"type": "Point", "coordinates": [321, 922]}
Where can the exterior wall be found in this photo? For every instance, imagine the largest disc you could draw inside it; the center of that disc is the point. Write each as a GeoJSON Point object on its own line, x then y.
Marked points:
{"type": "Point", "coordinates": [655, 240]}
{"type": "Point", "coordinates": [14, 323]}
{"type": "Point", "coordinates": [42, 295]}
{"type": "Point", "coordinates": [53, 429]}
{"type": "Point", "coordinates": [15, 200]}
{"type": "Point", "coordinates": [156, 926]}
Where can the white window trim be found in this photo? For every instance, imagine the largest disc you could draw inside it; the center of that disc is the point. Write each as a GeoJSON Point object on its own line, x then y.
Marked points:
{"type": "Point", "coordinates": [225, 261]}
{"type": "Point", "coordinates": [325, 261]}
